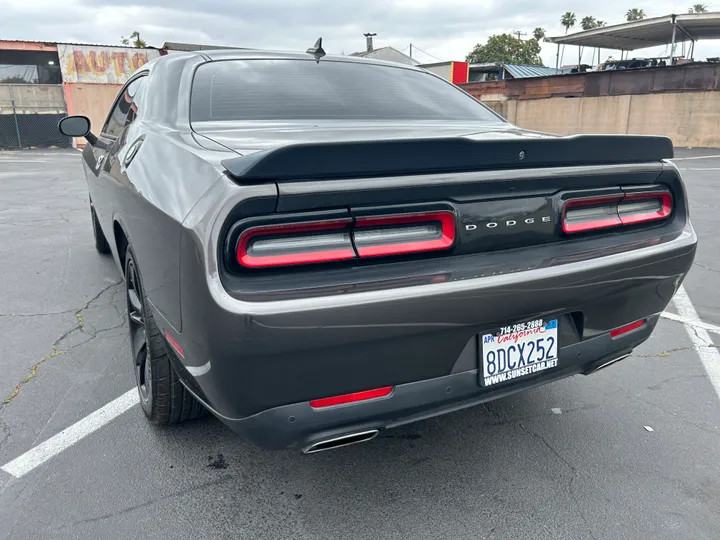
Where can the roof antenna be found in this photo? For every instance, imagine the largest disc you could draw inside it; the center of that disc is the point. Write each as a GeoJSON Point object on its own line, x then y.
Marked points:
{"type": "Point", "coordinates": [316, 50]}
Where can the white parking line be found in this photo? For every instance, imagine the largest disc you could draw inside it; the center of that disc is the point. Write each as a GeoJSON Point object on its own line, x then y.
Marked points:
{"type": "Point", "coordinates": [695, 157]}
{"type": "Point", "coordinates": [709, 355]}
{"type": "Point", "coordinates": [691, 322]}
{"type": "Point", "coordinates": [34, 457]}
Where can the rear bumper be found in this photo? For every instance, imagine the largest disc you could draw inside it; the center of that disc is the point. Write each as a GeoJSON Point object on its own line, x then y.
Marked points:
{"type": "Point", "coordinates": [257, 364]}
{"type": "Point", "coordinates": [298, 425]}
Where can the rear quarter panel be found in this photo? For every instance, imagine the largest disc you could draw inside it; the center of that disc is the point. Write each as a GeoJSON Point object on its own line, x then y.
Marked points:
{"type": "Point", "coordinates": [150, 199]}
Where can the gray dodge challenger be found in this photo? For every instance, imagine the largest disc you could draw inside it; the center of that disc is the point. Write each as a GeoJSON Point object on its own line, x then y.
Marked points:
{"type": "Point", "coordinates": [318, 248]}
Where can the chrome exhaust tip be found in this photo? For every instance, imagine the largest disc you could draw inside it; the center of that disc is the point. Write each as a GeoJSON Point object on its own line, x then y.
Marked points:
{"type": "Point", "coordinates": [608, 363]}
{"type": "Point", "coordinates": [342, 440]}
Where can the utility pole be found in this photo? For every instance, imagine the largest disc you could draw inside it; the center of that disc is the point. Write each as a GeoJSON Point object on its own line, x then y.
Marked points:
{"type": "Point", "coordinates": [411, 50]}
{"type": "Point", "coordinates": [518, 34]}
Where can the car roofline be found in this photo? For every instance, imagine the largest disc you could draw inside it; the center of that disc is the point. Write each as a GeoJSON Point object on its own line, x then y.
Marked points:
{"type": "Point", "coordinates": [258, 54]}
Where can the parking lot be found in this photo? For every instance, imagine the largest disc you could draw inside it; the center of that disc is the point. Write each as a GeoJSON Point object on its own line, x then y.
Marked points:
{"type": "Point", "coordinates": [630, 452]}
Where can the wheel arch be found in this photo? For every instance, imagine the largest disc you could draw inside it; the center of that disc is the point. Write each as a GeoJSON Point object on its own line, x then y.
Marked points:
{"type": "Point", "coordinates": [122, 242]}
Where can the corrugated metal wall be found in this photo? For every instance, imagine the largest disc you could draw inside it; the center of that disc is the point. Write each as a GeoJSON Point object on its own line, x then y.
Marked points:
{"type": "Point", "coordinates": [687, 78]}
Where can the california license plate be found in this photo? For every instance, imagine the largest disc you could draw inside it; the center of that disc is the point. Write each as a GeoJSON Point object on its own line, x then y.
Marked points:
{"type": "Point", "coordinates": [519, 350]}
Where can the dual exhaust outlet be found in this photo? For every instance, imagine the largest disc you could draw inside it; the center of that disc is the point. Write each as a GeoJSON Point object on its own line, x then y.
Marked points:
{"type": "Point", "coordinates": [342, 440]}
{"type": "Point", "coordinates": [367, 435]}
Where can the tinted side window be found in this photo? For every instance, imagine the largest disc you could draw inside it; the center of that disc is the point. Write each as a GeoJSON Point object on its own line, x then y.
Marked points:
{"type": "Point", "coordinates": [119, 115]}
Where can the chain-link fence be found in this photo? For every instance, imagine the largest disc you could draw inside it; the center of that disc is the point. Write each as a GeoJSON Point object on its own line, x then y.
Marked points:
{"type": "Point", "coordinates": [29, 115]}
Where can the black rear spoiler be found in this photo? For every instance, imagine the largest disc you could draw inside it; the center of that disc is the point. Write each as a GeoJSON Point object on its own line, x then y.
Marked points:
{"type": "Point", "coordinates": [314, 161]}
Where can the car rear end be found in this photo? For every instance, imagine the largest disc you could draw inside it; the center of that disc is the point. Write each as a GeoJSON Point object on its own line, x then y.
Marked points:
{"type": "Point", "coordinates": [332, 290]}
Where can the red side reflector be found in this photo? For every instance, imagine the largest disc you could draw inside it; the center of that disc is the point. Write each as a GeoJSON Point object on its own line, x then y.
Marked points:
{"type": "Point", "coordinates": [351, 398]}
{"type": "Point", "coordinates": [400, 234]}
{"type": "Point", "coordinates": [295, 243]}
{"type": "Point", "coordinates": [627, 328]}
{"type": "Point", "coordinates": [175, 344]}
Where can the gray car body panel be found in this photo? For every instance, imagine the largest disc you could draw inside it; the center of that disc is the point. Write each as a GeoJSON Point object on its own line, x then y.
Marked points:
{"type": "Point", "coordinates": [290, 340]}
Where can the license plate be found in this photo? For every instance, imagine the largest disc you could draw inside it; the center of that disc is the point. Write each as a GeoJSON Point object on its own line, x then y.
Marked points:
{"type": "Point", "coordinates": [519, 350]}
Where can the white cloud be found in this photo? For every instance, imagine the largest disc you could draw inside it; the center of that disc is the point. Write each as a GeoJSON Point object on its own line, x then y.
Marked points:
{"type": "Point", "coordinates": [444, 29]}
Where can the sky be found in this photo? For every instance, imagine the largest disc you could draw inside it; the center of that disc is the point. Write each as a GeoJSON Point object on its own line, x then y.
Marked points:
{"type": "Point", "coordinates": [438, 29]}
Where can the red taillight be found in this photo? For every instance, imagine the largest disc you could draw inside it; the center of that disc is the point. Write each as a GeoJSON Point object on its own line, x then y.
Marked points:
{"type": "Point", "coordinates": [396, 235]}
{"type": "Point", "coordinates": [641, 207]}
{"type": "Point", "coordinates": [351, 398]}
{"type": "Point", "coordinates": [295, 243]}
{"type": "Point", "coordinates": [591, 213]}
{"type": "Point", "coordinates": [594, 213]}
{"type": "Point", "coordinates": [270, 246]}
{"type": "Point", "coordinates": [627, 328]}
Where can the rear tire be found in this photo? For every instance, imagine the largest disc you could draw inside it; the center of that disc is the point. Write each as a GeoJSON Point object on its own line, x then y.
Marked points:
{"type": "Point", "coordinates": [101, 244]}
{"type": "Point", "coordinates": [163, 398]}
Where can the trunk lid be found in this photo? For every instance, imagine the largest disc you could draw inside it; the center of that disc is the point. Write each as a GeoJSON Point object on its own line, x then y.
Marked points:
{"type": "Point", "coordinates": [361, 150]}
{"type": "Point", "coordinates": [248, 137]}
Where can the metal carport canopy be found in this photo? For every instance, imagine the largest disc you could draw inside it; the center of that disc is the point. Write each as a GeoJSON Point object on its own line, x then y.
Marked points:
{"type": "Point", "coordinates": [647, 32]}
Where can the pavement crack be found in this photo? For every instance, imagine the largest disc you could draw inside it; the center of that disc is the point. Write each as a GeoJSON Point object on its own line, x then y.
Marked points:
{"type": "Point", "coordinates": [571, 480]}
{"type": "Point", "coordinates": [134, 507]}
{"type": "Point", "coordinates": [706, 267]}
{"type": "Point", "coordinates": [56, 350]}
{"type": "Point", "coordinates": [4, 433]}
{"type": "Point", "coordinates": [33, 371]}
{"type": "Point", "coordinates": [667, 352]}
{"type": "Point", "coordinates": [672, 413]}
{"type": "Point", "coordinates": [30, 315]}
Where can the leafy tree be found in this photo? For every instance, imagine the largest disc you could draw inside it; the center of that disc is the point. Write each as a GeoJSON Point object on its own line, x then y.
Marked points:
{"type": "Point", "coordinates": [539, 33]}
{"type": "Point", "coordinates": [698, 8]}
{"type": "Point", "coordinates": [135, 40]}
{"type": "Point", "coordinates": [635, 14]}
{"type": "Point", "coordinates": [13, 79]}
{"type": "Point", "coordinates": [508, 49]}
{"type": "Point", "coordinates": [568, 20]}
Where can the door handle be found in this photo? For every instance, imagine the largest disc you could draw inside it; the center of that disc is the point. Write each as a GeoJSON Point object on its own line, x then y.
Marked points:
{"type": "Point", "coordinates": [100, 161]}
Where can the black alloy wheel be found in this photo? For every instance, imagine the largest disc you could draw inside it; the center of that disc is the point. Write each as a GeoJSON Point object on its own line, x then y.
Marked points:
{"type": "Point", "coordinates": [138, 333]}
{"type": "Point", "coordinates": [163, 397]}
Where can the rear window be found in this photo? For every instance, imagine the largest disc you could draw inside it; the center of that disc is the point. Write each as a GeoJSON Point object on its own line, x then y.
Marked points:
{"type": "Point", "coordinates": [299, 89]}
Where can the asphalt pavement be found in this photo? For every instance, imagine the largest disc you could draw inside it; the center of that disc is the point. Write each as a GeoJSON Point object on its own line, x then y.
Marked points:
{"type": "Point", "coordinates": [628, 453]}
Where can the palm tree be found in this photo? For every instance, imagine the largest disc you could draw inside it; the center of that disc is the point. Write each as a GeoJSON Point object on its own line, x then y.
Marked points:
{"type": "Point", "coordinates": [698, 8]}
{"type": "Point", "coordinates": [539, 33]}
{"type": "Point", "coordinates": [598, 24]}
{"type": "Point", "coordinates": [134, 40]}
{"type": "Point", "coordinates": [635, 14]}
{"type": "Point", "coordinates": [568, 20]}
{"type": "Point", "coordinates": [587, 23]}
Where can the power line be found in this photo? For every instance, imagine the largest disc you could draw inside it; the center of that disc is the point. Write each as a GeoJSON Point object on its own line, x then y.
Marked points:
{"type": "Point", "coordinates": [426, 53]}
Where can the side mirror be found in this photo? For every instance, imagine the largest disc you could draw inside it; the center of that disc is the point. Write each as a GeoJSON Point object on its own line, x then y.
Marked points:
{"type": "Point", "coordinates": [77, 126]}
